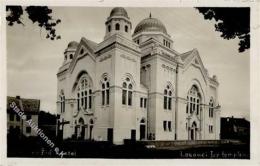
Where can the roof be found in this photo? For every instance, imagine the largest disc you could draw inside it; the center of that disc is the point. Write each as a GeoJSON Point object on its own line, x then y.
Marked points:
{"type": "Point", "coordinates": [118, 11]}
{"type": "Point", "coordinates": [90, 43]}
{"type": "Point", "coordinates": [150, 24]}
{"type": "Point", "coordinates": [28, 105]}
{"type": "Point", "coordinates": [185, 55]}
{"type": "Point", "coordinates": [241, 122]}
{"type": "Point", "coordinates": [10, 100]}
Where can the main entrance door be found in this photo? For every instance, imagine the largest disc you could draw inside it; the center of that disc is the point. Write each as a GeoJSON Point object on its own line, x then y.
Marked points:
{"type": "Point", "coordinates": [82, 134]}
{"type": "Point", "coordinates": [82, 129]}
{"type": "Point", "coordinates": [193, 131]}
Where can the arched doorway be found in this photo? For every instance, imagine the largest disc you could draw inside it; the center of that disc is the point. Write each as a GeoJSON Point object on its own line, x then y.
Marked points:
{"type": "Point", "coordinates": [142, 129]}
{"type": "Point", "coordinates": [193, 131]}
{"type": "Point", "coordinates": [82, 128]}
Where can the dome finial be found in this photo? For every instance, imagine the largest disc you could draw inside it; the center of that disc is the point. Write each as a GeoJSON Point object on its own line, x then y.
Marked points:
{"type": "Point", "coordinates": [150, 16]}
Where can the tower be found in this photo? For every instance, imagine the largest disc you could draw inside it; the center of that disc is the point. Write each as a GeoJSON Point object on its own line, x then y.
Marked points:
{"type": "Point", "coordinates": [119, 59]}
{"type": "Point", "coordinates": [70, 51]}
{"type": "Point", "coordinates": [118, 23]}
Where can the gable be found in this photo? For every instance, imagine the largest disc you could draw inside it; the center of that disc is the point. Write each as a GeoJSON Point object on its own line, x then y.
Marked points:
{"type": "Point", "coordinates": [192, 58]}
{"type": "Point", "coordinates": [85, 48]}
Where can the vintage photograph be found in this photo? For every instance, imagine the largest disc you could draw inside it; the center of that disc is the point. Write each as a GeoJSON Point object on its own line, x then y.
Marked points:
{"type": "Point", "coordinates": [128, 82]}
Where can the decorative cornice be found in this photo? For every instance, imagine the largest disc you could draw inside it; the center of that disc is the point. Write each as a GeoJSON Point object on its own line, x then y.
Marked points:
{"type": "Point", "coordinates": [152, 33]}
{"type": "Point", "coordinates": [118, 40]}
{"type": "Point", "coordinates": [126, 48]}
{"type": "Point", "coordinates": [105, 49]}
{"type": "Point", "coordinates": [155, 43]}
{"type": "Point", "coordinates": [128, 58]}
{"type": "Point", "coordinates": [118, 18]}
{"type": "Point", "coordinates": [146, 57]}
{"type": "Point", "coordinates": [62, 72]}
{"type": "Point", "coordinates": [166, 67]}
{"type": "Point", "coordinates": [105, 57]}
{"type": "Point", "coordinates": [213, 82]}
{"type": "Point", "coordinates": [63, 68]}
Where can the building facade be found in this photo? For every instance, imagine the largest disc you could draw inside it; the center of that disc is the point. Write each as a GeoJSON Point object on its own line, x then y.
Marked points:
{"type": "Point", "coordinates": [135, 86]}
{"type": "Point", "coordinates": [30, 108]}
{"type": "Point", "coordinates": [235, 128]}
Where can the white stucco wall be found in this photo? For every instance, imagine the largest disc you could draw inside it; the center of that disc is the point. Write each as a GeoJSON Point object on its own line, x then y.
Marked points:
{"type": "Point", "coordinates": [118, 58]}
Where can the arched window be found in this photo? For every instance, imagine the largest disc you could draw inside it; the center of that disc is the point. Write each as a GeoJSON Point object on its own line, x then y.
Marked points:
{"type": "Point", "coordinates": [78, 101]}
{"type": "Point", "coordinates": [124, 92]}
{"type": "Point", "coordinates": [126, 28]}
{"type": "Point", "coordinates": [84, 93]}
{"type": "Point", "coordinates": [187, 105]}
{"type": "Point", "coordinates": [71, 56]}
{"type": "Point", "coordinates": [127, 92]}
{"type": "Point", "coordinates": [170, 100]}
{"type": "Point", "coordinates": [117, 27]}
{"type": "Point", "coordinates": [62, 103]}
{"type": "Point", "coordinates": [211, 108]}
{"type": "Point", "coordinates": [193, 101]}
{"type": "Point", "coordinates": [105, 91]}
{"type": "Point", "coordinates": [109, 28]}
{"type": "Point", "coordinates": [85, 99]}
{"type": "Point", "coordinates": [130, 94]}
{"type": "Point", "coordinates": [167, 99]}
{"type": "Point", "coordinates": [90, 99]}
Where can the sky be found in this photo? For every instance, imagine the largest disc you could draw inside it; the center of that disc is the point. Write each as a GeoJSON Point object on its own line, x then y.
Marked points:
{"type": "Point", "coordinates": [33, 60]}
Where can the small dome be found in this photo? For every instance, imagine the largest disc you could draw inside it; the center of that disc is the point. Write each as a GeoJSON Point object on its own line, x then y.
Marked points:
{"type": "Point", "coordinates": [150, 25]}
{"type": "Point", "coordinates": [118, 11]}
{"type": "Point", "coordinates": [73, 44]}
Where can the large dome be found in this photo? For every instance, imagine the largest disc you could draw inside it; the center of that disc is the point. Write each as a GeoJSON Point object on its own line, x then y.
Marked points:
{"type": "Point", "coordinates": [150, 25]}
{"type": "Point", "coordinates": [118, 11]}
